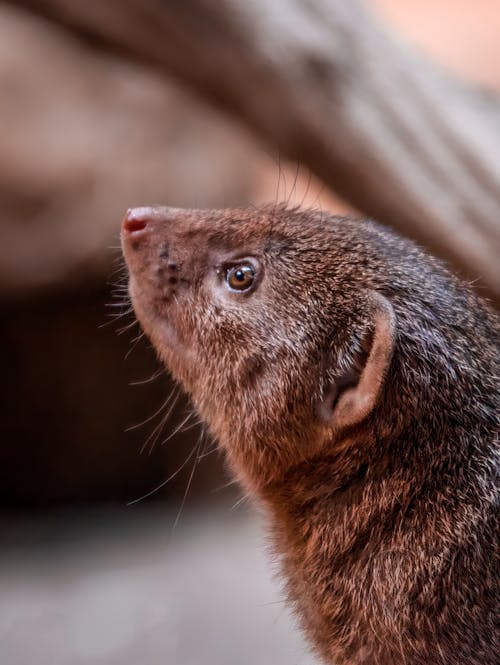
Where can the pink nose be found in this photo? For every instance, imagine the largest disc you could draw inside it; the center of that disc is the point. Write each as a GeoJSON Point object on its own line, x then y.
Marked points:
{"type": "Point", "coordinates": [137, 219]}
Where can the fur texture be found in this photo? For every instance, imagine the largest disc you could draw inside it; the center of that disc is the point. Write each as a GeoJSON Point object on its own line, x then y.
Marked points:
{"type": "Point", "coordinates": [387, 530]}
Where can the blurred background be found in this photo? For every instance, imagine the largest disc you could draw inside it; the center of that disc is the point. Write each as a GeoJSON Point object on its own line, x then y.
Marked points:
{"type": "Point", "coordinates": [102, 561]}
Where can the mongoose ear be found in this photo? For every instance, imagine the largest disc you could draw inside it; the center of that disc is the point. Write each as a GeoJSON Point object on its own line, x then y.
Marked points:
{"type": "Point", "coordinates": [355, 394]}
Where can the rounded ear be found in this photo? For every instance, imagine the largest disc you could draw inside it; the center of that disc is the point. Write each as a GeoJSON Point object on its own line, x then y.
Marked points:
{"type": "Point", "coordinates": [355, 394]}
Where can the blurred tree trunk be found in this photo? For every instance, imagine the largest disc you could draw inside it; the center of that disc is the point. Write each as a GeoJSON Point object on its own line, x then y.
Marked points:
{"type": "Point", "coordinates": [321, 81]}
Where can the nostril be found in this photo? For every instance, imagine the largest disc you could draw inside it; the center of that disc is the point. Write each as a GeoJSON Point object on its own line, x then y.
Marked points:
{"type": "Point", "coordinates": [137, 219]}
{"type": "Point", "coordinates": [131, 225]}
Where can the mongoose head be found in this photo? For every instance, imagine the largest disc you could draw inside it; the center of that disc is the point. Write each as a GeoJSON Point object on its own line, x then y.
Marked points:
{"type": "Point", "coordinates": [292, 331]}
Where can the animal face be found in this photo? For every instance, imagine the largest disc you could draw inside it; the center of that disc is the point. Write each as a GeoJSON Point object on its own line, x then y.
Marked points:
{"type": "Point", "coordinates": [252, 311]}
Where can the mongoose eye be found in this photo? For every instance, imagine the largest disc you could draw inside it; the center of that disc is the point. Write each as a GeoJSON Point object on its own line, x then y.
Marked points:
{"type": "Point", "coordinates": [240, 277]}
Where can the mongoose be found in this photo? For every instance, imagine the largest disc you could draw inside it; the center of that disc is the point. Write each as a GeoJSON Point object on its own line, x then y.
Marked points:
{"type": "Point", "coordinates": [352, 381]}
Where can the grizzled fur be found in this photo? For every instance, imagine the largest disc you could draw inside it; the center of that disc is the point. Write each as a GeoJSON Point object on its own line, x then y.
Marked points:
{"type": "Point", "coordinates": [387, 531]}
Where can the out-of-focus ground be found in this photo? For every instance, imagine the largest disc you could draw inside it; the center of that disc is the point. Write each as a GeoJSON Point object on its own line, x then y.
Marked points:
{"type": "Point", "coordinates": [110, 588]}
{"type": "Point", "coordinates": [84, 579]}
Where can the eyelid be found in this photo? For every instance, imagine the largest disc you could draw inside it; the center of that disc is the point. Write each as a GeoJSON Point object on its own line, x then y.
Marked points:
{"type": "Point", "coordinates": [226, 265]}
{"type": "Point", "coordinates": [230, 263]}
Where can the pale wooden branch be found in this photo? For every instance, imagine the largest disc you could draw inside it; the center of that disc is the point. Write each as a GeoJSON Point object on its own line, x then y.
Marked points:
{"type": "Point", "coordinates": [324, 83]}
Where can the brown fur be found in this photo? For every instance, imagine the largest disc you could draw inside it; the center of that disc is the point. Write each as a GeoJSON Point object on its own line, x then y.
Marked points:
{"type": "Point", "coordinates": [382, 510]}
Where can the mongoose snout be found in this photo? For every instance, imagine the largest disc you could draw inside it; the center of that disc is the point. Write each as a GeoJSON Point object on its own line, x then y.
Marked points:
{"type": "Point", "coordinates": [152, 246]}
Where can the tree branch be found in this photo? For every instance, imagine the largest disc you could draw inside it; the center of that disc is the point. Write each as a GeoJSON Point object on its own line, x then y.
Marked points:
{"type": "Point", "coordinates": [324, 83]}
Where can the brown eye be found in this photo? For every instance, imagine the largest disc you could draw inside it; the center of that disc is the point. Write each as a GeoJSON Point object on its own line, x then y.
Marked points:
{"type": "Point", "coordinates": [240, 277]}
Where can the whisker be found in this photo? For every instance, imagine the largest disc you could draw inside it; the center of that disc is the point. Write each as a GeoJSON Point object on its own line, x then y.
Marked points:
{"type": "Point", "coordinates": [120, 315]}
{"type": "Point", "coordinates": [157, 412]}
{"type": "Point", "coordinates": [272, 602]}
{"type": "Point", "coordinates": [209, 452]}
{"type": "Point", "coordinates": [209, 441]}
{"type": "Point", "coordinates": [120, 331]}
{"type": "Point", "coordinates": [140, 382]}
{"type": "Point", "coordinates": [164, 482]}
{"type": "Point", "coordinates": [113, 318]}
{"type": "Point", "coordinates": [190, 480]}
{"type": "Point", "coordinates": [118, 268]}
{"type": "Point", "coordinates": [195, 423]}
{"type": "Point", "coordinates": [230, 483]}
{"type": "Point", "coordinates": [155, 434]}
{"type": "Point", "coordinates": [280, 172]}
{"type": "Point", "coordinates": [177, 429]}
{"type": "Point", "coordinates": [294, 186]}
{"type": "Point", "coordinates": [309, 177]}
{"type": "Point", "coordinates": [240, 501]}
{"type": "Point", "coordinates": [134, 343]}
